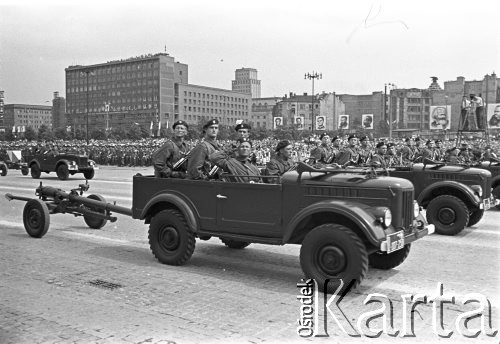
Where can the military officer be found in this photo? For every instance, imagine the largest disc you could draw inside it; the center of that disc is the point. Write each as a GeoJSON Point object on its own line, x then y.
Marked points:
{"type": "Point", "coordinates": [408, 151]}
{"type": "Point", "coordinates": [170, 152]}
{"type": "Point", "coordinates": [240, 166]}
{"type": "Point", "coordinates": [391, 157]}
{"type": "Point", "coordinates": [439, 151]}
{"type": "Point", "coordinates": [335, 151]}
{"type": "Point", "coordinates": [282, 162]}
{"type": "Point", "coordinates": [379, 158]}
{"type": "Point", "coordinates": [199, 165]}
{"type": "Point", "coordinates": [350, 154]}
{"type": "Point", "coordinates": [322, 152]}
{"type": "Point", "coordinates": [365, 151]}
{"type": "Point", "coordinates": [427, 151]}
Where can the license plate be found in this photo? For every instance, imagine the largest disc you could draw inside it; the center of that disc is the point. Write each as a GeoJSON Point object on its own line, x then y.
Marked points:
{"type": "Point", "coordinates": [487, 204]}
{"type": "Point", "coordinates": [395, 241]}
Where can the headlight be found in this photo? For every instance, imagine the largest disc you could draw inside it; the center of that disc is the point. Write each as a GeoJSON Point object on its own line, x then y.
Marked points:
{"type": "Point", "coordinates": [91, 162]}
{"type": "Point", "coordinates": [477, 189]}
{"type": "Point", "coordinates": [416, 209]}
{"type": "Point", "coordinates": [72, 162]}
{"type": "Point", "coordinates": [384, 216]}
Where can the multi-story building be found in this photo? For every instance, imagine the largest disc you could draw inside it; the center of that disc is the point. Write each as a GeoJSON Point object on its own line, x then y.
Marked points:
{"type": "Point", "coordinates": [331, 107]}
{"type": "Point", "coordinates": [293, 106]}
{"type": "Point", "coordinates": [262, 112]}
{"type": "Point", "coordinates": [17, 117]}
{"type": "Point", "coordinates": [410, 108]}
{"type": "Point", "coordinates": [365, 104]}
{"type": "Point", "coordinates": [246, 82]}
{"type": "Point", "coordinates": [58, 111]}
{"type": "Point", "coordinates": [150, 90]}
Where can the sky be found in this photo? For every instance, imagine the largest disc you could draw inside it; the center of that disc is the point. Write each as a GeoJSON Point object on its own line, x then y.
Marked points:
{"type": "Point", "coordinates": [357, 46]}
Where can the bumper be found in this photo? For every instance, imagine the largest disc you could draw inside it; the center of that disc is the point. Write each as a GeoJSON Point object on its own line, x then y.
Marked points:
{"type": "Point", "coordinates": [398, 240]}
{"type": "Point", "coordinates": [486, 204]}
{"type": "Point", "coordinates": [73, 167]}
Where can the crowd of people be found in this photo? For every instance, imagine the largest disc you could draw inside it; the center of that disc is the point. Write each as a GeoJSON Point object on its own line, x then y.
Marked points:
{"type": "Point", "coordinates": [198, 158]}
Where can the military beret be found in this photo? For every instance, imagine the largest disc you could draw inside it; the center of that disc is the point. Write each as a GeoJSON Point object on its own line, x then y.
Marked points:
{"type": "Point", "coordinates": [390, 144]}
{"type": "Point", "coordinates": [214, 121]}
{"type": "Point", "coordinates": [417, 139]}
{"type": "Point", "coordinates": [282, 144]}
{"type": "Point", "coordinates": [179, 122]}
{"type": "Point", "coordinates": [335, 138]}
{"type": "Point", "coordinates": [244, 139]}
{"type": "Point", "coordinates": [380, 144]}
{"type": "Point", "coordinates": [408, 139]}
{"type": "Point", "coordinates": [429, 141]}
{"type": "Point", "coordinates": [362, 138]}
{"type": "Point", "coordinates": [323, 135]}
{"type": "Point", "coordinates": [242, 126]}
{"type": "Point", "coordinates": [439, 141]}
{"type": "Point", "coordinates": [352, 136]}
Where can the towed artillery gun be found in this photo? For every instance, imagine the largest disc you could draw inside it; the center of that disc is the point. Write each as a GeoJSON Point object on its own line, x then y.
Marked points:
{"type": "Point", "coordinates": [94, 209]}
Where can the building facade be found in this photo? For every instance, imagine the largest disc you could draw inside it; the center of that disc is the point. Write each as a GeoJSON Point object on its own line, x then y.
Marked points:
{"type": "Point", "coordinates": [245, 81]}
{"type": "Point", "coordinates": [17, 117]}
{"type": "Point", "coordinates": [58, 111]}
{"type": "Point", "coordinates": [292, 106]}
{"type": "Point", "coordinates": [409, 108]}
{"type": "Point", "coordinates": [262, 112]}
{"type": "Point", "coordinates": [358, 107]}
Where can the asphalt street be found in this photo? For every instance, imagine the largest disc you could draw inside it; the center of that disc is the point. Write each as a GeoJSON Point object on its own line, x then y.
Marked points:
{"type": "Point", "coordinates": [80, 285]}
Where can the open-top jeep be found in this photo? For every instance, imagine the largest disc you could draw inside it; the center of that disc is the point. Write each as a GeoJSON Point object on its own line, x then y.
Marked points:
{"type": "Point", "coordinates": [344, 221]}
{"type": "Point", "coordinates": [454, 196]}
{"type": "Point", "coordinates": [13, 160]}
{"type": "Point", "coordinates": [63, 164]}
{"type": "Point", "coordinates": [494, 167]}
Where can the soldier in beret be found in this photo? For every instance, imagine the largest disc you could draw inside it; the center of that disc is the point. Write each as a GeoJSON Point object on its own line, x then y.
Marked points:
{"type": "Point", "coordinates": [335, 151]}
{"type": "Point", "coordinates": [439, 151]}
{"type": "Point", "coordinates": [350, 154]}
{"type": "Point", "coordinates": [408, 152]}
{"type": "Point", "coordinates": [199, 165]}
{"type": "Point", "coordinates": [379, 158]}
{"type": "Point", "coordinates": [427, 151]}
{"type": "Point", "coordinates": [365, 151]}
{"type": "Point", "coordinates": [282, 162]}
{"type": "Point", "coordinates": [452, 156]}
{"type": "Point", "coordinates": [391, 157]}
{"type": "Point", "coordinates": [167, 155]}
{"type": "Point", "coordinates": [243, 130]}
{"type": "Point", "coordinates": [322, 152]}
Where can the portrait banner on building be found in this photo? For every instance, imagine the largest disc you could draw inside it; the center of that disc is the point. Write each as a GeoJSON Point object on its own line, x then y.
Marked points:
{"type": "Point", "coordinates": [299, 122]}
{"type": "Point", "coordinates": [440, 117]}
{"type": "Point", "coordinates": [493, 116]}
{"type": "Point", "coordinates": [277, 122]}
{"type": "Point", "coordinates": [367, 120]}
{"type": "Point", "coordinates": [320, 123]}
{"type": "Point", "coordinates": [343, 122]}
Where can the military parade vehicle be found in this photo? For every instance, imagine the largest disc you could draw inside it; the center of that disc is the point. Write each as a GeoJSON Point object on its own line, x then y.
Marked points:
{"type": "Point", "coordinates": [494, 167]}
{"type": "Point", "coordinates": [344, 221]}
{"type": "Point", "coordinates": [63, 164]}
{"type": "Point", "coordinates": [454, 196]}
{"type": "Point", "coordinates": [14, 161]}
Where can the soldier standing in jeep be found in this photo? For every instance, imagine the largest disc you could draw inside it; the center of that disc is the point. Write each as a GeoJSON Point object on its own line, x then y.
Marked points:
{"type": "Point", "coordinates": [167, 155]}
{"type": "Point", "coordinates": [282, 162]}
{"type": "Point", "coordinates": [199, 164]}
{"type": "Point", "coordinates": [240, 166]}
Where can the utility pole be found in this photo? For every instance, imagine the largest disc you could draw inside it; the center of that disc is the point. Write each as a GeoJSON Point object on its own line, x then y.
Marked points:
{"type": "Point", "coordinates": [312, 76]}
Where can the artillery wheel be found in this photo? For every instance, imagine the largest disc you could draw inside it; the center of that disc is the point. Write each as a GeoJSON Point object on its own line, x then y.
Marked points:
{"type": "Point", "coordinates": [170, 238]}
{"type": "Point", "coordinates": [386, 261]}
{"type": "Point", "coordinates": [62, 172]}
{"type": "Point", "coordinates": [89, 174]}
{"type": "Point", "coordinates": [334, 252]}
{"type": "Point", "coordinates": [93, 222]}
{"type": "Point", "coordinates": [3, 170]}
{"type": "Point", "coordinates": [25, 170]}
{"type": "Point", "coordinates": [35, 171]}
{"type": "Point", "coordinates": [36, 218]}
{"type": "Point", "coordinates": [235, 244]}
{"type": "Point", "coordinates": [448, 213]}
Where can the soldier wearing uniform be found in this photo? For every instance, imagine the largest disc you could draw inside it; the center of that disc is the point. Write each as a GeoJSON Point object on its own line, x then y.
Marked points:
{"type": "Point", "coordinates": [243, 130]}
{"type": "Point", "coordinates": [350, 154]}
{"type": "Point", "coordinates": [240, 166]}
{"type": "Point", "coordinates": [427, 151]}
{"type": "Point", "coordinates": [322, 152]}
{"type": "Point", "coordinates": [170, 152]}
{"type": "Point", "coordinates": [335, 151]}
{"type": "Point", "coordinates": [391, 157]}
{"type": "Point", "coordinates": [452, 156]}
{"type": "Point", "coordinates": [282, 162]}
{"type": "Point", "coordinates": [439, 151]}
{"type": "Point", "coordinates": [408, 151]}
{"type": "Point", "coordinates": [379, 157]}
{"type": "Point", "coordinates": [365, 151]}
{"type": "Point", "coordinates": [199, 165]}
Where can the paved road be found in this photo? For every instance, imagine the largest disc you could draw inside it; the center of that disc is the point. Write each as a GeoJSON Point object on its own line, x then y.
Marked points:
{"type": "Point", "coordinates": [221, 295]}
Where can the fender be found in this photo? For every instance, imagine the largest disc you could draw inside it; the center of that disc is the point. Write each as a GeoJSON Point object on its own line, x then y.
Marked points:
{"type": "Point", "coordinates": [461, 189]}
{"type": "Point", "coordinates": [177, 200]}
{"type": "Point", "coordinates": [65, 161]}
{"type": "Point", "coordinates": [495, 181]}
{"type": "Point", "coordinates": [359, 213]}
{"type": "Point", "coordinates": [34, 161]}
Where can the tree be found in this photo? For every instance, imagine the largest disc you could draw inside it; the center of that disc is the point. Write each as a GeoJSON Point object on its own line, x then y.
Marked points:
{"type": "Point", "coordinates": [118, 133]}
{"type": "Point", "coordinates": [145, 133]}
{"type": "Point", "coordinates": [79, 134]}
{"type": "Point", "coordinates": [98, 134]}
{"type": "Point", "coordinates": [134, 132]}
{"type": "Point", "coordinates": [30, 133]}
{"type": "Point", "coordinates": [60, 133]}
{"type": "Point", "coordinates": [44, 133]}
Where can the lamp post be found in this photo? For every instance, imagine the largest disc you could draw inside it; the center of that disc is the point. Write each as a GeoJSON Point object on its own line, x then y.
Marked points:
{"type": "Point", "coordinates": [312, 76]}
{"type": "Point", "coordinates": [87, 72]}
{"type": "Point", "coordinates": [385, 107]}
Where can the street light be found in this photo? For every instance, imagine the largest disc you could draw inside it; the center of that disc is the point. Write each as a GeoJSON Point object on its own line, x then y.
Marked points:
{"type": "Point", "coordinates": [312, 76]}
{"type": "Point", "coordinates": [87, 72]}
{"type": "Point", "coordinates": [385, 107]}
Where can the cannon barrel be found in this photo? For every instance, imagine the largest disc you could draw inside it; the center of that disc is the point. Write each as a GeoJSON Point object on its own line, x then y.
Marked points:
{"type": "Point", "coordinates": [100, 205]}
{"type": "Point", "coordinates": [10, 197]}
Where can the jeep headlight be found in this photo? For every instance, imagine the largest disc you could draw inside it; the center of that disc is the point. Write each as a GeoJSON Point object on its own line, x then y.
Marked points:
{"type": "Point", "coordinates": [72, 162]}
{"type": "Point", "coordinates": [416, 209]}
{"type": "Point", "coordinates": [477, 189]}
{"type": "Point", "coordinates": [384, 216]}
{"type": "Point", "coordinates": [91, 162]}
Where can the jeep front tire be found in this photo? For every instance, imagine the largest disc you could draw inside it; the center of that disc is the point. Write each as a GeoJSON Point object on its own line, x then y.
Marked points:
{"type": "Point", "coordinates": [386, 261]}
{"type": "Point", "coordinates": [332, 251]}
{"type": "Point", "coordinates": [448, 214]}
{"type": "Point", "coordinates": [170, 238]}
{"type": "Point", "coordinates": [35, 171]}
{"type": "Point", "coordinates": [62, 172]}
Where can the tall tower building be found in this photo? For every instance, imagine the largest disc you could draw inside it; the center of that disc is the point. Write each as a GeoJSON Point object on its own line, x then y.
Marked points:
{"type": "Point", "coordinates": [246, 82]}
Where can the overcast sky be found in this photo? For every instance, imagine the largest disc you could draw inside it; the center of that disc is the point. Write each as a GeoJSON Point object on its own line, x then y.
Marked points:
{"type": "Point", "coordinates": [356, 45]}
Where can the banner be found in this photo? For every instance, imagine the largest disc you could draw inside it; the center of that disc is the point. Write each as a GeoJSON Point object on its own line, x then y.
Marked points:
{"type": "Point", "coordinates": [320, 123]}
{"type": "Point", "coordinates": [367, 120]}
{"type": "Point", "coordinates": [343, 122]}
{"type": "Point", "coordinates": [278, 122]}
{"type": "Point", "coordinates": [440, 117]}
{"type": "Point", "coordinates": [493, 116]}
{"type": "Point", "coordinates": [299, 122]}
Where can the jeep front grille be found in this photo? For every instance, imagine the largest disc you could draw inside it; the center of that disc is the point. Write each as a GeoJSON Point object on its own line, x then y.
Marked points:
{"type": "Point", "coordinates": [407, 209]}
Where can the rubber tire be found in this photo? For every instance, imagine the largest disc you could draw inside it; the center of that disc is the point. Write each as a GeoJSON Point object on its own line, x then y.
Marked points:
{"type": "Point", "coordinates": [349, 243]}
{"type": "Point", "coordinates": [386, 261]}
{"type": "Point", "coordinates": [475, 216]}
{"type": "Point", "coordinates": [36, 218]}
{"type": "Point", "coordinates": [183, 250]}
{"type": "Point", "coordinates": [235, 244]}
{"type": "Point", "coordinates": [62, 172]}
{"type": "Point", "coordinates": [93, 222]}
{"type": "Point", "coordinates": [496, 194]}
{"type": "Point", "coordinates": [35, 171]}
{"type": "Point", "coordinates": [456, 204]}
{"type": "Point", "coordinates": [89, 174]}
{"type": "Point", "coordinates": [3, 169]}
{"type": "Point", "coordinates": [25, 171]}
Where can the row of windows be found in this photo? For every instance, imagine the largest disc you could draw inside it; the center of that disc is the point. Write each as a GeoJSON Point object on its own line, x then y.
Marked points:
{"type": "Point", "coordinates": [117, 69]}
{"type": "Point", "coordinates": [82, 100]}
{"type": "Point", "coordinates": [83, 109]}
{"type": "Point", "coordinates": [105, 84]}
{"type": "Point", "coordinates": [216, 111]}
{"type": "Point", "coordinates": [216, 97]}
{"type": "Point", "coordinates": [192, 118]}
{"type": "Point", "coordinates": [207, 103]}
{"type": "Point", "coordinates": [25, 111]}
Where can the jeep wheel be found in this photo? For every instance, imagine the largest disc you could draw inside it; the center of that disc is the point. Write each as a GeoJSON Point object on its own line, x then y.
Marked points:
{"type": "Point", "coordinates": [3, 170]}
{"type": "Point", "coordinates": [170, 238]}
{"type": "Point", "coordinates": [35, 171]}
{"type": "Point", "coordinates": [448, 214]}
{"type": "Point", "coordinates": [496, 194]}
{"type": "Point", "coordinates": [89, 174]}
{"type": "Point", "coordinates": [235, 244]}
{"type": "Point", "coordinates": [386, 261]}
{"type": "Point", "coordinates": [475, 216]}
{"type": "Point", "coordinates": [92, 222]}
{"type": "Point", "coordinates": [62, 172]}
{"type": "Point", "coordinates": [25, 170]}
{"type": "Point", "coordinates": [36, 218]}
{"type": "Point", "coordinates": [332, 251]}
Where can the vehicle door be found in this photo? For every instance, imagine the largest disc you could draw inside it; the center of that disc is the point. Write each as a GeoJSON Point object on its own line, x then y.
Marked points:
{"type": "Point", "coordinates": [250, 209]}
